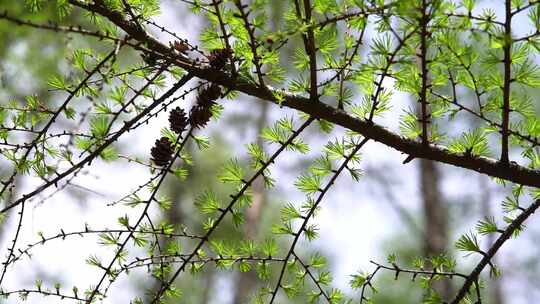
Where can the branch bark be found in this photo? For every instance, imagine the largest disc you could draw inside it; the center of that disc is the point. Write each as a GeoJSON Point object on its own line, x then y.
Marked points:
{"type": "Point", "coordinates": [488, 256]}
{"type": "Point", "coordinates": [507, 171]}
{"type": "Point", "coordinates": [424, 19]}
{"type": "Point", "coordinates": [496, 291]}
{"type": "Point", "coordinates": [88, 159]}
{"type": "Point", "coordinates": [507, 61]}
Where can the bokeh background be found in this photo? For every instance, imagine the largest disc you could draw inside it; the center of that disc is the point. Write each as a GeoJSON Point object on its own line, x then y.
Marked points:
{"type": "Point", "coordinates": [390, 210]}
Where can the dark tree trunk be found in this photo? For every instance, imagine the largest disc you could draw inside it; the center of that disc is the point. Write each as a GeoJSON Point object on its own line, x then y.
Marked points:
{"type": "Point", "coordinates": [436, 219]}
{"type": "Point", "coordinates": [247, 280]}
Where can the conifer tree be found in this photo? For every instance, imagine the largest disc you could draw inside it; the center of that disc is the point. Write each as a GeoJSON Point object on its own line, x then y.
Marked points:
{"type": "Point", "coordinates": [352, 63]}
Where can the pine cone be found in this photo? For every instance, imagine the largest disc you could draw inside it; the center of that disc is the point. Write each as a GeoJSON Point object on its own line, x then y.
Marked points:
{"type": "Point", "coordinates": [178, 120]}
{"type": "Point", "coordinates": [181, 46]}
{"type": "Point", "coordinates": [200, 115]}
{"type": "Point", "coordinates": [218, 58]}
{"type": "Point", "coordinates": [162, 151]}
{"type": "Point", "coordinates": [208, 94]}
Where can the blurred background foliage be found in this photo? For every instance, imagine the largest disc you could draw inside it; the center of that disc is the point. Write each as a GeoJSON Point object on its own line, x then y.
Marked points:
{"type": "Point", "coordinates": [28, 57]}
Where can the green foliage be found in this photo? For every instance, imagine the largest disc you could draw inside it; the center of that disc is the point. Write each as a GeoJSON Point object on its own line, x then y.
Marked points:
{"type": "Point", "coordinates": [468, 243]}
{"type": "Point", "coordinates": [487, 226]}
{"type": "Point", "coordinates": [472, 143]}
{"type": "Point", "coordinates": [341, 64]}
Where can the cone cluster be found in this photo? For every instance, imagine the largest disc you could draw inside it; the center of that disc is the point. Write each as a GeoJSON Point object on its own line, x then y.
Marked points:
{"type": "Point", "coordinates": [218, 58]}
{"type": "Point", "coordinates": [201, 113]}
{"type": "Point", "coordinates": [162, 151]}
{"type": "Point", "coordinates": [178, 120]}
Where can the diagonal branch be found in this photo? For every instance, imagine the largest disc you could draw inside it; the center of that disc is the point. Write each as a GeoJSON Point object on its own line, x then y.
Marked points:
{"type": "Point", "coordinates": [486, 260]}
{"type": "Point", "coordinates": [229, 207]}
{"type": "Point", "coordinates": [57, 113]}
{"type": "Point", "coordinates": [386, 72]}
{"type": "Point", "coordinates": [226, 35]}
{"type": "Point", "coordinates": [162, 176]}
{"type": "Point", "coordinates": [10, 255]}
{"type": "Point", "coordinates": [253, 43]}
{"type": "Point", "coordinates": [125, 128]}
{"type": "Point", "coordinates": [511, 172]}
{"type": "Point", "coordinates": [310, 214]}
{"type": "Point", "coordinates": [312, 277]}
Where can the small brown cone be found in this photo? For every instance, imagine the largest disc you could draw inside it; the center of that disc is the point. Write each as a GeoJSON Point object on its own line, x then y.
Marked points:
{"type": "Point", "coordinates": [218, 58]}
{"type": "Point", "coordinates": [162, 151]}
{"type": "Point", "coordinates": [200, 115]}
{"type": "Point", "coordinates": [208, 94]}
{"type": "Point", "coordinates": [178, 120]}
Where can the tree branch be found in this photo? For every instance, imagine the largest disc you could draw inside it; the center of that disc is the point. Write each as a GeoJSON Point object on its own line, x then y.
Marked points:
{"type": "Point", "coordinates": [507, 61]}
{"type": "Point", "coordinates": [229, 207]}
{"type": "Point", "coordinates": [309, 46]}
{"type": "Point", "coordinates": [486, 260]}
{"type": "Point", "coordinates": [424, 73]}
{"type": "Point", "coordinates": [125, 128]}
{"type": "Point", "coordinates": [507, 171]}
{"type": "Point", "coordinates": [310, 213]}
